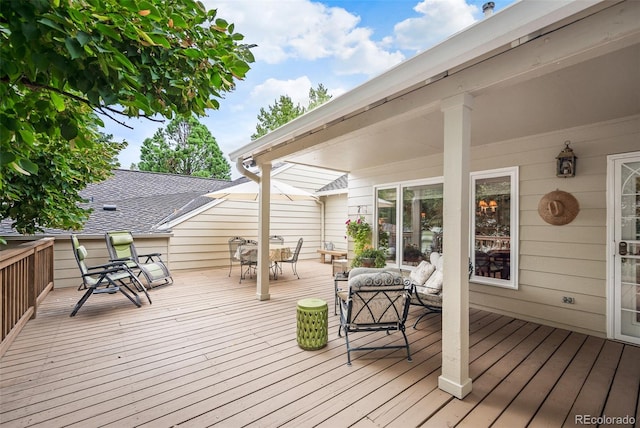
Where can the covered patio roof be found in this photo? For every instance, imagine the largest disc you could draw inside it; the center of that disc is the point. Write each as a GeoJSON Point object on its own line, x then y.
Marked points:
{"type": "Point", "coordinates": [527, 68]}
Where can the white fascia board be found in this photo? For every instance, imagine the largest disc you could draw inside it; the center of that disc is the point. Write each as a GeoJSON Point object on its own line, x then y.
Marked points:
{"type": "Point", "coordinates": [169, 225]}
{"type": "Point", "coordinates": [513, 23]}
{"type": "Point", "coordinates": [332, 192]}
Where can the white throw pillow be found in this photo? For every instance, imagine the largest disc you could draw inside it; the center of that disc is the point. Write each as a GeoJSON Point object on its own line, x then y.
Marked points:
{"type": "Point", "coordinates": [421, 273]}
{"type": "Point", "coordinates": [434, 283]}
{"type": "Point", "coordinates": [434, 257]}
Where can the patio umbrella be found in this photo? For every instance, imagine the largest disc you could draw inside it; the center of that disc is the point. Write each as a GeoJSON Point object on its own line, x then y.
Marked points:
{"type": "Point", "coordinates": [248, 191]}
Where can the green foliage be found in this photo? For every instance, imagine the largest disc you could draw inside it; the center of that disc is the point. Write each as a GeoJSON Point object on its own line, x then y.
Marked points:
{"type": "Point", "coordinates": [318, 96]}
{"type": "Point", "coordinates": [62, 62]}
{"type": "Point", "coordinates": [360, 231]}
{"type": "Point", "coordinates": [50, 197]}
{"type": "Point", "coordinates": [185, 147]}
{"type": "Point", "coordinates": [283, 111]}
{"type": "Point", "coordinates": [378, 256]}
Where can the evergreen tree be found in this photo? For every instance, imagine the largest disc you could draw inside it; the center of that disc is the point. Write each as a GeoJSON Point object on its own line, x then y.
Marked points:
{"type": "Point", "coordinates": [185, 147]}
{"type": "Point", "coordinates": [283, 111]}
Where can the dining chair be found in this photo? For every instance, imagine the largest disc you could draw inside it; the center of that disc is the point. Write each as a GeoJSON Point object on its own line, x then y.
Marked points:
{"type": "Point", "coordinates": [293, 260]}
{"type": "Point", "coordinates": [234, 243]}
{"type": "Point", "coordinates": [248, 259]}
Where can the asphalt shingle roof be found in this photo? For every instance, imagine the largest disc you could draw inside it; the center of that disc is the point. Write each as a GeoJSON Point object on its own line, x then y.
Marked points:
{"type": "Point", "coordinates": [337, 184]}
{"type": "Point", "coordinates": [142, 201]}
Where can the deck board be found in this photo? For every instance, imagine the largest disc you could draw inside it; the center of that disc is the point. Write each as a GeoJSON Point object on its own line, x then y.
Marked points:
{"type": "Point", "coordinates": [207, 352]}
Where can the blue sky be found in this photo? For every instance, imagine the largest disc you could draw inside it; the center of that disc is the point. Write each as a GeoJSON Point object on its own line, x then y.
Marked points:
{"type": "Point", "coordinates": [302, 43]}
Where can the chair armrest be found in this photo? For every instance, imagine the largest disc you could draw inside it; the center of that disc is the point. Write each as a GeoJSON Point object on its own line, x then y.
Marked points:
{"type": "Point", "coordinates": [113, 264]}
{"type": "Point", "coordinates": [122, 260]}
{"type": "Point", "coordinates": [107, 268]}
{"type": "Point", "coordinates": [150, 257]}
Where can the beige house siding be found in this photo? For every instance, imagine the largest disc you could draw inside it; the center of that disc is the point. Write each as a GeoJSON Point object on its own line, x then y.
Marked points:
{"type": "Point", "coordinates": [554, 261]}
{"type": "Point", "coordinates": [335, 215]}
{"type": "Point", "coordinates": [202, 241]}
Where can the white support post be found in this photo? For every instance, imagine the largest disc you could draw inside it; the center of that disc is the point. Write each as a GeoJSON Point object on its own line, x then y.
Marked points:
{"type": "Point", "coordinates": [455, 300]}
{"type": "Point", "coordinates": [264, 215]}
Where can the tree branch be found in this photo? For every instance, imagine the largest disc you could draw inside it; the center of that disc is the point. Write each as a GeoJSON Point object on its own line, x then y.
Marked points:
{"type": "Point", "coordinates": [104, 109]}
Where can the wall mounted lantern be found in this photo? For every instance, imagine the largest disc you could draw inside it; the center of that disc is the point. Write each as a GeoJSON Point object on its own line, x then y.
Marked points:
{"type": "Point", "coordinates": [566, 162]}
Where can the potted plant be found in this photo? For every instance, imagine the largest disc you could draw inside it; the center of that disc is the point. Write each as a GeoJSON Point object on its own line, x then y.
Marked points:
{"type": "Point", "coordinates": [360, 231]}
{"type": "Point", "coordinates": [370, 257]}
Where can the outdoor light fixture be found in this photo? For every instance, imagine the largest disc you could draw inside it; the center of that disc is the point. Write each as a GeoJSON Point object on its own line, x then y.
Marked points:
{"type": "Point", "coordinates": [249, 162]}
{"type": "Point", "coordinates": [566, 162]}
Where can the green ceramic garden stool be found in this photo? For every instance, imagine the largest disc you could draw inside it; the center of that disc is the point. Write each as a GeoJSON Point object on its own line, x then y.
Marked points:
{"type": "Point", "coordinates": [313, 320]}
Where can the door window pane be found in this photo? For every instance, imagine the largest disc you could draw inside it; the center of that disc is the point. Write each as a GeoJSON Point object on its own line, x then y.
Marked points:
{"type": "Point", "coordinates": [422, 222]}
{"type": "Point", "coordinates": [387, 221]}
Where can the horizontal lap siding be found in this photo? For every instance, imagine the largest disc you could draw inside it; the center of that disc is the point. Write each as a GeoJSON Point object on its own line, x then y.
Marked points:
{"type": "Point", "coordinates": [554, 261]}
{"type": "Point", "coordinates": [202, 241]}
{"type": "Point", "coordinates": [335, 216]}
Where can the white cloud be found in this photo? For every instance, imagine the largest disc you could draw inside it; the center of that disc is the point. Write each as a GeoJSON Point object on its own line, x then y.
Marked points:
{"type": "Point", "coordinates": [440, 19]}
{"type": "Point", "coordinates": [306, 30]}
{"type": "Point", "coordinates": [269, 91]}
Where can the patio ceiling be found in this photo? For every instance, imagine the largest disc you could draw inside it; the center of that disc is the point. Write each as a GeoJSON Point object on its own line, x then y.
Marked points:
{"type": "Point", "coordinates": [568, 77]}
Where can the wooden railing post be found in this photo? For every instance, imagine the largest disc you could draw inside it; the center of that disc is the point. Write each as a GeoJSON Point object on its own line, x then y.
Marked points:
{"type": "Point", "coordinates": [26, 276]}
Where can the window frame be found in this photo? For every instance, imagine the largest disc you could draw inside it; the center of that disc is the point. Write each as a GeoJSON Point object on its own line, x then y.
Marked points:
{"type": "Point", "coordinates": [399, 187]}
{"type": "Point", "coordinates": [512, 173]}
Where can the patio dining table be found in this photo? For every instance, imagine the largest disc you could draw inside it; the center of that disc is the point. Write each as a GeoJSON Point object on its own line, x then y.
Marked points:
{"type": "Point", "coordinates": [277, 253]}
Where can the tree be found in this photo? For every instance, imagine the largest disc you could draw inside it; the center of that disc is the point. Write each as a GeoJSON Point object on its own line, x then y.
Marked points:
{"type": "Point", "coordinates": [283, 111]}
{"type": "Point", "coordinates": [63, 62]}
{"type": "Point", "coordinates": [318, 96]}
{"type": "Point", "coordinates": [185, 147]}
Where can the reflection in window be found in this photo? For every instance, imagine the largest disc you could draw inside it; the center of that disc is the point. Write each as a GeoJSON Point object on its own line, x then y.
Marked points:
{"type": "Point", "coordinates": [494, 227]}
{"type": "Point", "coordinates": [387, 222]}
{"type": "Point", "coordinates": [422, 222]}
{"type": "Point", "coordinates": [410, 229]}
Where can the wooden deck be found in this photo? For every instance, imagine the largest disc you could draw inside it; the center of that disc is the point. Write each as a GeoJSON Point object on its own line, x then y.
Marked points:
{"type": "Point", "coordinates": [207, 352]}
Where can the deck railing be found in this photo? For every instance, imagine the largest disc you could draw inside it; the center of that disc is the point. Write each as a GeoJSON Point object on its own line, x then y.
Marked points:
{"type": "Point", "coordinates": [26, 276]}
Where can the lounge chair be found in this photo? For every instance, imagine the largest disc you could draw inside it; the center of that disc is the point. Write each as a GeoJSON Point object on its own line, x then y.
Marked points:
{"type": "Point", "coordinates": [121, 247]}
{"type": "Point", "coordinates": [375, 300]}
{"type": "Point", "coordinates": [108, 278]}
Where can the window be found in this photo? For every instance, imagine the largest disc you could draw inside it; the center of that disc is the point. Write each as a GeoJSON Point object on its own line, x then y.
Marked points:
{"type": "Point", "coordinates": [494, 227]}
{"type": "Point", "coordinates": [413, 225]}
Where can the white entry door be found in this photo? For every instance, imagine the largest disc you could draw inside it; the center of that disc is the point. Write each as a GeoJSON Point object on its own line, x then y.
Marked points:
{"type": "Point", "coordinates": [625, 180]}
